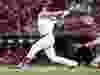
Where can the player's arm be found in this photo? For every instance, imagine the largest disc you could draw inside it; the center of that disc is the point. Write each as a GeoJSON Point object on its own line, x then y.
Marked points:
{"type": "Point", "coordinates": [54, 13]}
{"type": "Point", "coordinates": [45, 12]}
{"type": "Point", "coordinates": [65, 13]}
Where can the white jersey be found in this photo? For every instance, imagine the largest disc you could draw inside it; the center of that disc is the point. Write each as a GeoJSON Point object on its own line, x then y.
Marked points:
{"type": "Point", "coordinates": [45, 25]}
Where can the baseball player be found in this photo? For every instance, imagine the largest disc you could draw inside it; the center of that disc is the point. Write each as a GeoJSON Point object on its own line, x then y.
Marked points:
{"type": "Point", "coordinates": [46, 22]}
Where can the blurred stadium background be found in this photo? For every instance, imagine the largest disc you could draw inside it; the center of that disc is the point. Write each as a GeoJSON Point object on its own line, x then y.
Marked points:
{"type": "Point", "coordinates": [18, 31]}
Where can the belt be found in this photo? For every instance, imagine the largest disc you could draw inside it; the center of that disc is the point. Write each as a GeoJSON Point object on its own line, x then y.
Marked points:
{"type": "Point", "coordinates": [43, 35]}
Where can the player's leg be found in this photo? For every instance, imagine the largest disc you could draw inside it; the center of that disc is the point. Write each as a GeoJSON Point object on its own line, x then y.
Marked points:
{"type": "Point", "coordinates": [31, 55]}
{"type": "Point", "coordinates": [50, 52]}
{"type": "Point", "coordinates": [42, 43]}
{"type": "Point", "coordinates": [39, 45]}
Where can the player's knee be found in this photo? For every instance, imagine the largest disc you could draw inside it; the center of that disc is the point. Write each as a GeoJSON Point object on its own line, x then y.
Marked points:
{"type": "Point", "coordinates": [52, 58]}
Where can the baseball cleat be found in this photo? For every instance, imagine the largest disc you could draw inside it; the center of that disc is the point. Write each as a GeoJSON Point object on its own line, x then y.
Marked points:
{"type": "Point", "coordinates": [25, 67]}
{"type": "Point", "coordinates": [73, 65]}
{"type": "Point", "coordinates": [20, 65]}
